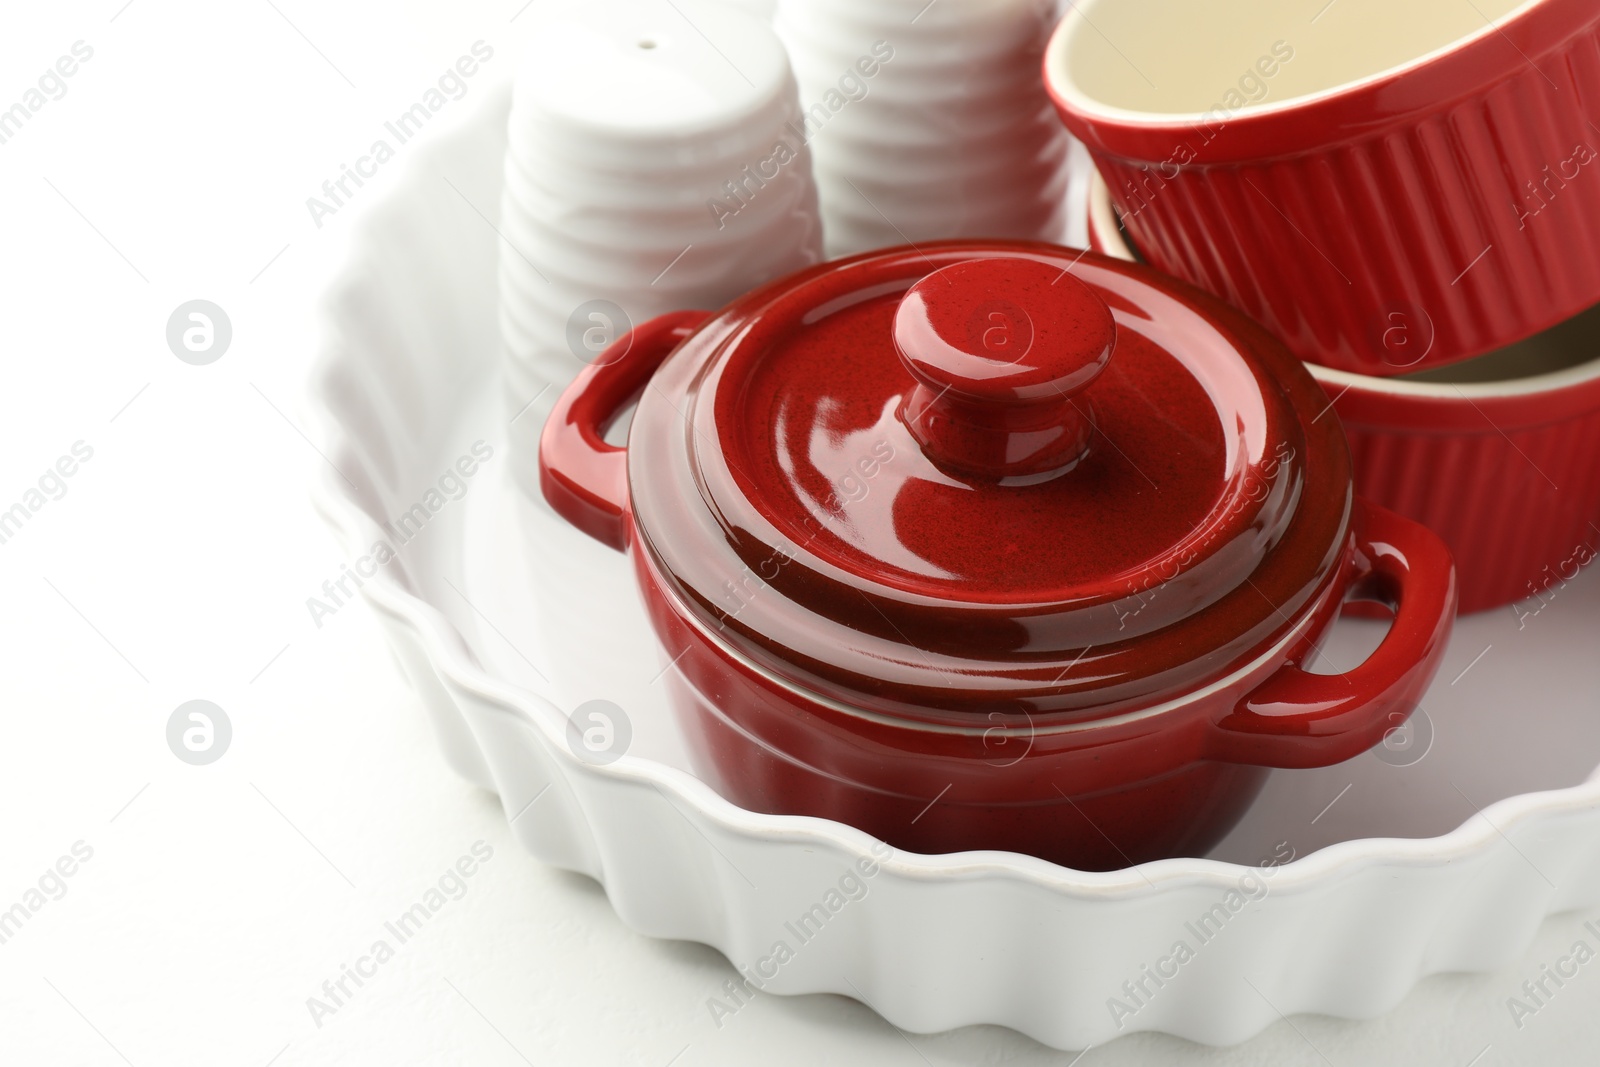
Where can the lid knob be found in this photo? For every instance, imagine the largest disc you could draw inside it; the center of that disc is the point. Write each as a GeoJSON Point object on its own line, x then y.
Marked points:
{"type": "Point", "coordinates": [999, 349]}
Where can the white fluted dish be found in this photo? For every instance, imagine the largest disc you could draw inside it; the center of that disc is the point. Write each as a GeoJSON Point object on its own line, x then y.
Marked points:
{"type": "Point", "coordinates": [1397, 874]}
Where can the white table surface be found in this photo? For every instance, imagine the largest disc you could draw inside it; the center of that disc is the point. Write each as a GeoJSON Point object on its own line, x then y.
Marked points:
{"type": "Point", "coordinates": [177, 564]}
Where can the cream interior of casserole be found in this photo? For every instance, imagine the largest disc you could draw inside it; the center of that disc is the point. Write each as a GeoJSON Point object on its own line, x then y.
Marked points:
{"type": "Point", "coordinates": [1188, 57]}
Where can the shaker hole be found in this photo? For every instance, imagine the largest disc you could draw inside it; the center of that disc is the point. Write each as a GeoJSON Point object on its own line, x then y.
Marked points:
{"type": "Point", "coordinates": [647, 44]}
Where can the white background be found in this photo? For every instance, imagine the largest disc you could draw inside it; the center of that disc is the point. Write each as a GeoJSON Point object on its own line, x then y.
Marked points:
{"type": "Point", "coordinates": [177, 565]}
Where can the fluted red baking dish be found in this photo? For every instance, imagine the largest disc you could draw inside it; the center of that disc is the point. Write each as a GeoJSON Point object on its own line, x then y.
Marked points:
{"type": "Point", "coordinates": [1431, 165]}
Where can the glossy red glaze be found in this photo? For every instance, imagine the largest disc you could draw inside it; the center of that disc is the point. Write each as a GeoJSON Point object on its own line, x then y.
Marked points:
{"type": "Point", "coordinates": [1000, 350]}
{"type": "Point", "coordinates": [590, 487]}
{"type": "Point", "coordinates": [1446, 198]}
{"type": "Point", "coordinates": [1095, 796]}
{"type": "Point", "coordinates": [792, 508]}
{"type": "Point", "coordinates": [1510, 482]}
{"type": "Point", "coordinates": [1504, 471]}
{"type": "Point", "coordinates": [836, 660]}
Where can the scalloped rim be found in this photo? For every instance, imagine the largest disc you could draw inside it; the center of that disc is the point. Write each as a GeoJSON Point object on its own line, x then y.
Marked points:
{"type": "Point", "coordinates": [446, 647]}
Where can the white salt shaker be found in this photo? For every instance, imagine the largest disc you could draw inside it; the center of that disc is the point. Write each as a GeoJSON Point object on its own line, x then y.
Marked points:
{"type": "Point", "coordinates": [928, 119]}
{"type": "Point", "coordinates": [654, 164]}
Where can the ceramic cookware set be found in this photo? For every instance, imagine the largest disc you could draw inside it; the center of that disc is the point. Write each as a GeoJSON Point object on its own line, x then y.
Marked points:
{"type": "Point", "coordinates": [1413, 211]}
{"type": "Point", "coordinates": [975, 541]}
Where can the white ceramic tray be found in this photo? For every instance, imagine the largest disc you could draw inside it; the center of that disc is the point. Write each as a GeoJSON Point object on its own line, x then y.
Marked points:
{"type": "Point", "coordinates": [1434, 854]}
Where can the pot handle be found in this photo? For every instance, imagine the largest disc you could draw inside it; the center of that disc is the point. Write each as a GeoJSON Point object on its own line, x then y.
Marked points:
{"type": "Point", "coordinates": [1299, 719]}
{"type": "Point", "coordinates": [585, 479]}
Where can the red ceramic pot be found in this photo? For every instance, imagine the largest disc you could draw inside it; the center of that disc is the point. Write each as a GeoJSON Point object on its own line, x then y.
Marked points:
{"type": "Point", "coordinates": [1496, 455]}
{"type": "Point", "coordinates": [1431, 164]}
{"type": "Point", "coordinates": [995, 546]}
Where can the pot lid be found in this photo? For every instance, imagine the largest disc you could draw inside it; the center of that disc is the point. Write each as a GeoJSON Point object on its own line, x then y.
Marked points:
{"type": "Point", "coordinates": [976, 476]}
